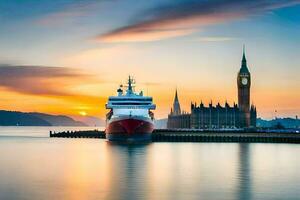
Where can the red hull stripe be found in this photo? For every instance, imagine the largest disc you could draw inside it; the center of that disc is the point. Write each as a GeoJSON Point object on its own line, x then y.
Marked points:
{"type": "Point", "coordinates": [129, 127]}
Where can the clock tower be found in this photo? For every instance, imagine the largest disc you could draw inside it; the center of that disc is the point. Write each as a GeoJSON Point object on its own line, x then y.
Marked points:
{"type": "Point", "coordinates": [243, 84]}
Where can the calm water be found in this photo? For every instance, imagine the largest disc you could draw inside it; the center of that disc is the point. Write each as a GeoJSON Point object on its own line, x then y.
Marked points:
{"type": "Point", "coordinates": [33, 166]}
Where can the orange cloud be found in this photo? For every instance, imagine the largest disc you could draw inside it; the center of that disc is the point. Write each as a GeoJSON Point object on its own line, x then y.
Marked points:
{"type": "Point", "coordinates": [49, 89]}
{"type": "Point", "coordinates": [128, 36]}
{"type": "Point", "coordinates": [159, 30]}
{"type": "Point", "coordinates": [215, 39]}
{"type": "Point", "coordinates": [40, 80]}
{"type": "Point", "coordinates": [66, 105]}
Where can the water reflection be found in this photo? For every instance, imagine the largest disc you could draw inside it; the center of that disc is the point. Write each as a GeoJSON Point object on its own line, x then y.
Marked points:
{"type": "Point", "coordinates": [44, 168]}
{"type": "Point", "coordinates": [128, 166]}
{"type": "Point", "coordinates": [179, 171]}
{"type": "Point", "coordinates": [244, 172]}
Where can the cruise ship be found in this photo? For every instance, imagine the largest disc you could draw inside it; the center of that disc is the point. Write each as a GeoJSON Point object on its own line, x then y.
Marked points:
{"type": "Point", "coordinates": [130, 117]}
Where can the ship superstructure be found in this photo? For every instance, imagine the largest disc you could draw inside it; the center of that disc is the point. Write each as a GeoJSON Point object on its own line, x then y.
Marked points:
{"type": "Point", "coordinates": [130, 116]}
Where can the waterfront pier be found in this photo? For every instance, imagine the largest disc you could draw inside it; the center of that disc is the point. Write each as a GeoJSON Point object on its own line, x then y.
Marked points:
{"type": "Point", "coordinates": [78, 134]}
{"type": "Point", "coordinates": [168, 135]}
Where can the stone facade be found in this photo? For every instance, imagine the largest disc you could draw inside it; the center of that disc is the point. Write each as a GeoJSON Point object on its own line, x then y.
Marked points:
{"type": "Point", "coordinates": [218, 117]}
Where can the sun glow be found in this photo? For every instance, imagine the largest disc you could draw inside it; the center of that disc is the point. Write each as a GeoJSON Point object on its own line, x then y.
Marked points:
{"type": "Point", "coordinates": [82, 113]}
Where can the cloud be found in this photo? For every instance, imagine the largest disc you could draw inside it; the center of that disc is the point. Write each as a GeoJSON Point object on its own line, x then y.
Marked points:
{"type": "Point", "coordinates": [41, 80]}
{"type": "Point", "coordinates": [185, 17]}
{"type": "Point", "coordinates": [215, 39]}
{"type": "Point", "coordinates": [127, 36]}
{"type": "Point", "coordinates": [70, 12]}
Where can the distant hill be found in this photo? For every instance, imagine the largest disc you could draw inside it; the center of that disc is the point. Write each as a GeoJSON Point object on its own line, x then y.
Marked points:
{"type": "Point", "coordinates": [90, 121]}
{"type": "Point", "coordinates": [285, 122]}
{"type": "Point", "coordinates": [160, 123]}
{"type": "Point", "coordinates": [8, 118]}
{"type": "Point", "coordinates": [14, 118]}
{"type": "Point", "coordinates": [58, 120]}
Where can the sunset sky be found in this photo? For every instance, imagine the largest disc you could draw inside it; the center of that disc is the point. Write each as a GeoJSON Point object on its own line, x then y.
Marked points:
{"type": "Point", "coordinates": [68, 56]}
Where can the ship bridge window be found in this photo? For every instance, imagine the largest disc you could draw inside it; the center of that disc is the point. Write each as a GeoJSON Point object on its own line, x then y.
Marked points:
{"type": "Point", "coordinates": [129, 99]}
{"type": "Point", "coordinates": [125, 103]}
{"type": "Point", "coordinates": [138, 112]}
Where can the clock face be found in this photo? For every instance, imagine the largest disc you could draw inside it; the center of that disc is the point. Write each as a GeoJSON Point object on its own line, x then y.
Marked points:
{"type": "Point", "coordinates": [244, 81]}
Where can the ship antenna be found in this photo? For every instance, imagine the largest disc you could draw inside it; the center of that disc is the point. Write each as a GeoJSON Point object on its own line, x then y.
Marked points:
{"type": "Point", "coordinates": [130, 85]}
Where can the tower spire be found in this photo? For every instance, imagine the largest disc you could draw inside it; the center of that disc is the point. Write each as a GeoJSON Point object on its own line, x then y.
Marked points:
{"type": "Point", "coordinates": [244, 68]}
{"type": "Point", "coordinates": [176, 105]}
{"type": "Point", "coordinates": [176, 96]}
{"type": "Point", "coordinates": [244, 57]}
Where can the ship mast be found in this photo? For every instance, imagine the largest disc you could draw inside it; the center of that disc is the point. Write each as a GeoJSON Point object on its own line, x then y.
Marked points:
{"type": "Point", "coordinates": [130, 85]}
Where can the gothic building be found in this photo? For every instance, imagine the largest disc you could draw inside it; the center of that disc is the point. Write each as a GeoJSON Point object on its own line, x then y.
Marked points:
{"type": "Point", "coordinates": [176, 118]}
{"type": "Point", "coordinates": [240, 115]}
{"type": "Point", "coordinates": [214, 117]}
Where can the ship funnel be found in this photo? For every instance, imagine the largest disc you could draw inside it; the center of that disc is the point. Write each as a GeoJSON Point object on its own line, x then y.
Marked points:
{"type": "Point", "coordinates": [120, 91]}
